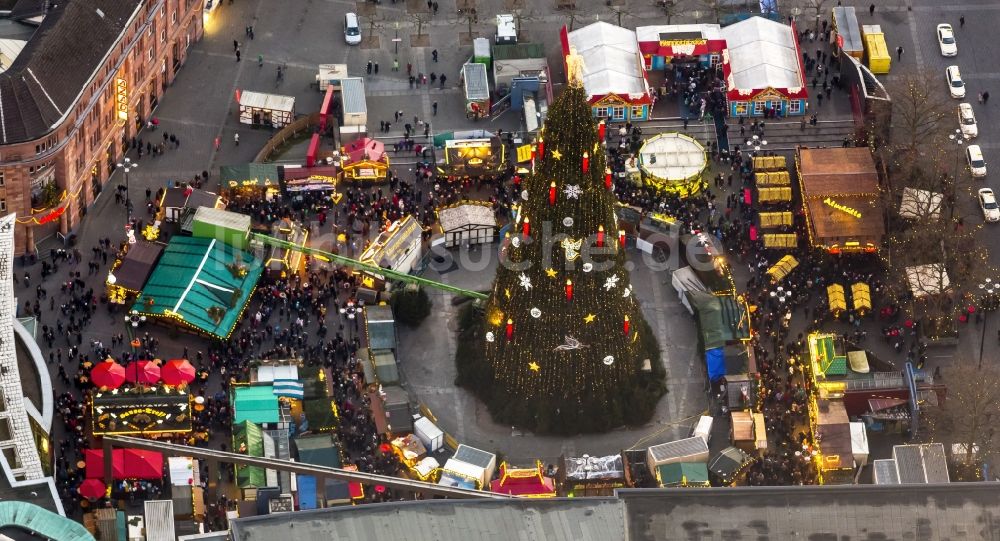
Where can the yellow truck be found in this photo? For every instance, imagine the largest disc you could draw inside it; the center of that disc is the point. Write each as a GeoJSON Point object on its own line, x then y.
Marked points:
{"type": "Point", "coordinates": [876, 51]}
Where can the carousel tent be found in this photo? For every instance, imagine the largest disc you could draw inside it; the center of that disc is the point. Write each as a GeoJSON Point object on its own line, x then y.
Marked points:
{"type": "Point", "coordinates": [927, 280]}
{"type": "Point", "coordinates": [920, 204]}
{"type": "Point", "coordinates": [470, 222]}
{"type": "Point", "coordinates": [137, 265]}
{"type": "Point", "coordinates": [195, 284]}
{"type": "Point", "coordinates": [673, 157]}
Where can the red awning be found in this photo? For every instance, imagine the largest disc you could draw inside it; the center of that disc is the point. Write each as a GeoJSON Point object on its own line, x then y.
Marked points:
{"type": "Point", "coordinates": [880, 404]}
{"type": "Point", "coordinates": [125, 464]}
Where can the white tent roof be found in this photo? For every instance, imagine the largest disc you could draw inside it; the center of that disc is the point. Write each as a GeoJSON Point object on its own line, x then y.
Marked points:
{"type": "Point", "coordinates": [927, 280]}
{"type": "Point", "coordinates": [762, 53]}
{"type": "Point", "coordinates": [464, 469]}
{"type": "Point", "coordinates": [458, 216]}
{"type": "Point", "coordinates": [677, 156]}
{"type": "Point", "coordinates": [919, 204]}
{"type": "Point", "coordinates": [270, 102]}
{"type": "Point", "coordinates": [610, 59]}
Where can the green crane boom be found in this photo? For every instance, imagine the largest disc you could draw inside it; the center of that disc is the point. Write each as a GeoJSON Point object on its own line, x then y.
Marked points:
{"type": "Point", "coordinates": [354, 263]}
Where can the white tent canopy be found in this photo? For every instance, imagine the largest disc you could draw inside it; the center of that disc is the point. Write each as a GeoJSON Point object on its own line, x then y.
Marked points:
{"type": "Point", "coordinates": [610, 60]}
{"type": "Point", "coordinates": [762, 54]}
{"type": "Point", "coordinates": [927, 280]}
{"type": "Point", "coordinates": [920, 204]}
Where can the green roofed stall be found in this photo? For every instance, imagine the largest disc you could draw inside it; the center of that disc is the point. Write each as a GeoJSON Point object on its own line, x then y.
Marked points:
{"type": "Point", "coordinates": [248, 439]}
{"type": "Point", "coordinates": [251, 174]}
{"type": "Point", "coordinates": [201, 283]}
{"type": "Point", "coordinates": [256, 404]}
{"type": "Point", "coordinates": [683, 474]}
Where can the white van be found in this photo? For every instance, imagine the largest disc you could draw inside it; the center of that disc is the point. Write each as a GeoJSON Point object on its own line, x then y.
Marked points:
{"type": "Point", "coordinates": [967, 120]}
{"type": "Point", "coordinates": [977, 165]}
{"type": "Point", "coordinates": [352, 29]}
{"type": "Point", "coordinates": [506, 29]}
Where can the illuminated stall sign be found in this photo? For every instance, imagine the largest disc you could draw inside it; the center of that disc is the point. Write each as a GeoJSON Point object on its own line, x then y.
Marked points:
{"type": "Point", "coordinates": [129, 412]}
{"type": "Point", "coordinates": [842, 208]}
{"type": "Point", "coordinates": [121, 99]}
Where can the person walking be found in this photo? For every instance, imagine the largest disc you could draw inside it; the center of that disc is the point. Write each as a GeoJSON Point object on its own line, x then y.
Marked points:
{"type": "Point", "coordinates": [217, 143]}
{"type": "Point", "coordinates": [434, 55]}
{"type": "Point", "coordinates": [899, 53]}
{"type": "Point", "coordinates": [237, 55]}
{"type": "Point", "coordinates": [395, 64]}
{"type": "Point", "coordinates": [434, 107]}
{"type": "Point", "coordinates": [236, 138]}
{"type": "Point", "coordinates": [871, 10]}
{"type": "Point", "coordinates": [443, 78]}
{"type": "Point", "coordinates": [260, 61]}
{"type": "Point", "coordinates": [961, 21]}
{"type": "Point", "coordinates": [376, 68]}
{"type": "Point", "coordinates": [986, 97]}
{"type": "Point", "coordinates": [368, 68]}
{"type": "Point", "coordinates": [236, 45]}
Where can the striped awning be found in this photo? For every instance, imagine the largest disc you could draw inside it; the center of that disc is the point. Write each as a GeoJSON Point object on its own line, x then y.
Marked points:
{"type": "Point", "coordinates": [289, 388]}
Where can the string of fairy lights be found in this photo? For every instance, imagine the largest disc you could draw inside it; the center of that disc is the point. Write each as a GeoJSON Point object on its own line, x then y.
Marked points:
{"type": "Point", "coordinates": [566, 326]}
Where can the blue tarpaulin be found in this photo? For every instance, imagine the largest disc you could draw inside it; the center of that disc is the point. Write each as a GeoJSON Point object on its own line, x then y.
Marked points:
{"type": "Point", "coordinates": [307, 492]}
{"type": "Point", "coordinates": [716, 364]}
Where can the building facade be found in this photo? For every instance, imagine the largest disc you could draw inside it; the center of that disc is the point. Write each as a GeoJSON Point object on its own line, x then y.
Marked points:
{"type": "Point", "coordinates": [84, 85]}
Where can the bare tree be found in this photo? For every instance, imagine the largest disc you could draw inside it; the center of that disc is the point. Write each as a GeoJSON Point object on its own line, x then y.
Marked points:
{"type": "Point", "coordinates": [970, 413]}
{"type": "Point", "coordinates": [669, 8]}
{"type": "Point", "coordinates": [919, 110]}
{"type": "Point", "coordinates": [521, 15]}
{"type": "Point", "coordinates": [574, 14]}
{"type": "Point", "coordinates": [715, 7]}
{"type": "Point", "coordinates": [619, 11]}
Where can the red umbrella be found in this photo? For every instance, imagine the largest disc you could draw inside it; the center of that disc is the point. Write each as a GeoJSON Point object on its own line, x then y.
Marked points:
{"type": "Point", "coordinates": [108, 374]}
{"type": "Point", "coordinates": [145, 372]}
{"type": "Point", "coordinates": [177, 372]}
{"type": "Point", "coordinates": [92, 489]}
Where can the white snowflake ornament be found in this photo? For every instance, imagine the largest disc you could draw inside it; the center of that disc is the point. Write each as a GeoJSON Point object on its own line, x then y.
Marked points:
{"type": "Point", "coordinates": [525, 281]}
{"type": "Point", "coordinates": [587, 267]}
{"type": "Point", "coordinates": [609, 360]}
{"type": "Point", "coordinates": [572, 191]}
{"type": "Point", "coordinates": [524, 195]}
{"type": "Point", "coordinates": [568, 221]}
{"type": "Point", "coordinates": [490, 337]}
{"type": "Point", "coordinates": [611, 282]}
{"type": "Point", "coordinates": [536, 313]}
{"type": "Point", "coordinates": [515, 241]}
{"type": "Point", "coordinates": [627, 292]}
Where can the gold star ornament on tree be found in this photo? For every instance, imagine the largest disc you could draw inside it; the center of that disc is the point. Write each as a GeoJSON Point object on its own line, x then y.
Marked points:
{"type": "Point", "coordinates": [551, 272]}
{"type": "Point", "coordinates": [556, 154]}
{"type": "Point", "coordinates": [589, 318]}
{"type": "Point", "coordinates": [534, 366]}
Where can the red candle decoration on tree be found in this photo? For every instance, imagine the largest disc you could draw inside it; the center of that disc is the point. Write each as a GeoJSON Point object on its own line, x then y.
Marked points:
{"type": "Point", "coordinates": [510, 329]}
{"type": "Point", "coordinates": [601, 130]}
{"type": "Point", "coordinates": [526, 227]}
{"type": "Point", "coordinates": [600, 236]}
{"type": "Point", "coordinates": [607, 178]}
{"type": "Point", "coordinates": [621, 238]}
{"type": "Point", "coordinates": [517, 180]}
{"type": "Point", "coordinates": [552, 193]}
{"type": "Point", "coordinates": [541, 147]}
{"type": "Point", "coordinates": [569, 289]}
{"type": "Point", "coordinates": [625, 326]}
{"type": "Point", "coordinates": [586, 162]}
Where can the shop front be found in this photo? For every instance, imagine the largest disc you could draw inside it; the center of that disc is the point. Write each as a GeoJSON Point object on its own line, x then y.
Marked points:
{"type": "Point", "coordinates": [364, 160]}
{"type": "Point", "coordinates": [143, 411]}
{"type": "Point", "coordinates": [663, 46]}
{"type": "Point", "coordinates": [474, 157]}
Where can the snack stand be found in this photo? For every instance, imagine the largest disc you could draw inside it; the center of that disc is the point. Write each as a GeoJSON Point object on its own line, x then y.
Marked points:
{"type": "Point", "coordinates": [365, 161]}
{"type": "Point", "coordinates": [266, 110]}
{"type": "Point", "coordinates": [673, 163]}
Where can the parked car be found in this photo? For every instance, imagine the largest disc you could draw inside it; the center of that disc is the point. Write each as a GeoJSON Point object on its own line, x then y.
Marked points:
{"type": "Point", "coordinates": [988, 202]}
{"type": "Point", "coordinates": [956, 86]}
{"type": "Point", "coordinates": [946, 40]}
{"type": "Point", "coordinates": [352, 29]}
{"type": "Point", "coordinates": [967, 120]}
{"type": "Point", "coordinates": [977, 165]}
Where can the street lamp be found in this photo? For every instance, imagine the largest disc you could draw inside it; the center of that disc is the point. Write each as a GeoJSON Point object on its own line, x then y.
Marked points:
{"type": "Point", "coordinates": [989, 302]}
{"type": "Point", "coordinates": [959, 138]}
{"type": "Point", "coordinates": [127, 165]}
{"type": "Point", "coordinates": [756, 143]}
{"type": "Point", "coordinates": [134, 318]}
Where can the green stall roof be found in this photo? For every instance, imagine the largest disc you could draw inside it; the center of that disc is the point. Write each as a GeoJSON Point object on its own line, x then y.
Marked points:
{"type": "Point", "coordinates": [250, 436]}
{"type": "Point", "coordinates": [196, 275]}
{"type": "Point", "coordinates": [256, 404]}
{"type": "Point", "coordinates": [682, 474]}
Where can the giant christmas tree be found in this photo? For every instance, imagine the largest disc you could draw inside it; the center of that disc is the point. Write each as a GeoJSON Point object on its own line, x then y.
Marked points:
{"type": "Point", "coordinates": [561, 345]}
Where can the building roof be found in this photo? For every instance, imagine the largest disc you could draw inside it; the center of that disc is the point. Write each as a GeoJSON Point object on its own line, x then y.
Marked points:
{"type": "Point", "coordinates": [848, 177]}
{"type": "Point", "coordinates": [523, 482]}
{"type": "Point", "coordinates": [49, 75]}
{"type": "Point", "coordinates": [884, 472]}
{"type": "Point", "coordinates": [762, 53]}
{"type": "Point", "coordinates": [352, 95]}
{"type": "Point", "coordinates": [477, 83]}
{"type": "Point", "coordinates": [803, 512]}
{"type": "Point", "coordinates": [476, 214]}
{"type": "Point", "coordinates": [610, 60]}
{"type": "Point", "coordinates": [672, 157]}
{"type": "Point", "coordinates": [269, 102]}
{"type": "Point", "coordinates": [381, 327]}
{"type": "Point", "coordinates": [594, 467]}
{"type": "Point", "coordinates": [194, 276]}
{"type": "Point", "coordinates": [518, 51]}
{"type": "Point", "coordinates": [318, 449]}
{"type": "Point", "coordinates": [47, 524]}
{"type": "Point", "coordinates": [921, 463]}
{"type": "Point", "coordinates": [476, 457]}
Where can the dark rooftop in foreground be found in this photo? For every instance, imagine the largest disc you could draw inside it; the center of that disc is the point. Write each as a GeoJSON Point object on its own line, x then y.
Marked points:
{"type": "Point", "coordinates": [956, 511]}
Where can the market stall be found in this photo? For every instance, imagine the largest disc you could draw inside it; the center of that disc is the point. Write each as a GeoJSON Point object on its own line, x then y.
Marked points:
{"type": "Point", "coordinates": [781, 241]}
{"type": "Point", "coordinates": [774, 194]}
{"type": "Point", "coordinates": [248, 439]}
{"type": "Point", "coordinates": [763, 69]}
{"type": "Point", "coordinates": [474, 157]}
{"type": "Point", "coordinates": [591, 475]}
{"type": "Point", "coordinates": [129, 274]}
{"type": "Point", "coordinates": [267, 110]}
{"type": "Point", "coordinates": [775, 219]}
{"type": "Point", "coordinates": [673, 163]}
{"type": "Point", "coordinates": [397, 248]}
{"type": "Point", "coordinates": [727, 467]}
{"type": "Point", "coordinates": [250, 182]}
{"type": "Point", "coordinates": [772, 178]}
{"type": "Point", "coordinates": [147, 412]}
{"type": "Point", "coordinates": [468, 468]}
{"type": "Point", "coordinates": [846, 33]}
{"type": "Point", "coordinates": [862, 296]}
{"type": "Point", "coordinates": [921, 204]}
{"type": "Point", "coordinates": [769, 163]}
{"type": "Point", "coordinates": [841, 199]}
{"type": "Point", "coordinates": [612, 70]}
{"type": "Point", "coordinates": [836, 299]}
{"type": "Point", "coordinates": [282, 261]}
{"type": "Point", "coordinates": [476, 82]}
{"type": "Point", "coordinates": [467, 223]}
{"type": "Point", "coordinates": [682, 474]}
{"type": "Point", "coordinates": [523, 482]}
{"type": "Point", "coordinates": [380, 328]}
{"type": "Point", "coordinates": [693, 449]}
{"type": "Point", "coordinates": [257, 404]}
{"type": "Point", "coordinates": [782, 268]}
{"type": "Point", "coordinates": [365, 160]}
{"type": "Point", "coordinates": [430, 435]}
